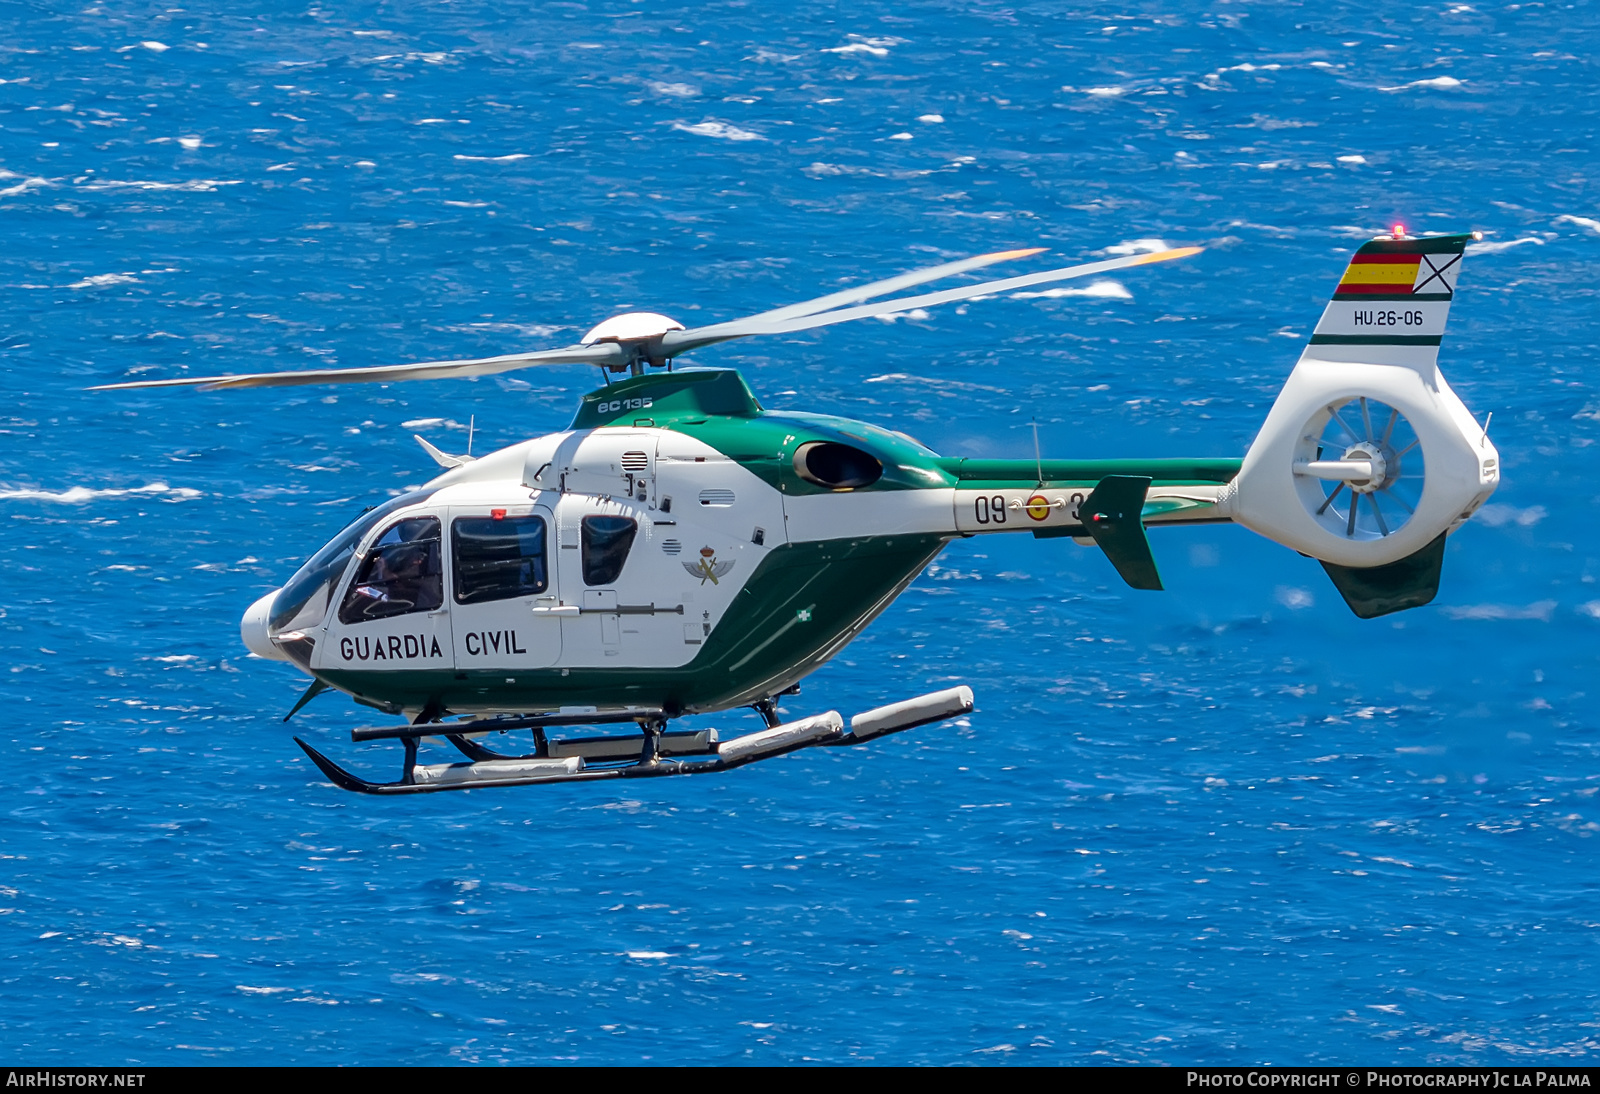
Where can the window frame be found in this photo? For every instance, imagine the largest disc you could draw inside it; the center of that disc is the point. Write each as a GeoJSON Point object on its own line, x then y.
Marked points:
{"type": "Point", "coordinates": [357, 564]}
{"type": "Point", "coordinates": [583, 548]}
{"type": "Point", "coordinates": [456, 568]}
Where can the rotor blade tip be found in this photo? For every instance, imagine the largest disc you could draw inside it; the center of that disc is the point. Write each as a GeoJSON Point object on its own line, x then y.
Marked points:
{"type": "Point", "coordinates": [1007, 256]}
{"type": "Point", "coordinates": [1169, 255]}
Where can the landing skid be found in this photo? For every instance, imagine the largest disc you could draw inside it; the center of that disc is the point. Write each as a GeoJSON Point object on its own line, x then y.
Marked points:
{"type": "Point", "coordinates": [645, 755]}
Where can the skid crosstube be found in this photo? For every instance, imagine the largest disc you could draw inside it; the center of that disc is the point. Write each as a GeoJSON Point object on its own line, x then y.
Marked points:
{"type": "Point", "coordinates": [642, 756]}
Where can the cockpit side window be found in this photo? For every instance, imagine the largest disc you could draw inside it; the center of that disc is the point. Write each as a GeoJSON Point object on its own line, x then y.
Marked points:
{"type": "Point", "coordinates": [498, 559]}
{"type": "Point", "coordinates": [606, 542]}
{"type": "Point", "coordinates": [402, 572]}
{"type": "Point", "coordinates": [303, 601]}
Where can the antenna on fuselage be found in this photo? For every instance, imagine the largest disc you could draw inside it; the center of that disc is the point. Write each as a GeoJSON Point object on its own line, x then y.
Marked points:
{"type": "Point", "coordinates": [472, 424]}
{"type": "Point", "coordinates": [1038, 460]}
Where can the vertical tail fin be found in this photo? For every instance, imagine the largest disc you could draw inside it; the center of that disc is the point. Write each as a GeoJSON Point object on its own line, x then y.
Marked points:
{"type": "Point", "coordinates": [1391, 305]}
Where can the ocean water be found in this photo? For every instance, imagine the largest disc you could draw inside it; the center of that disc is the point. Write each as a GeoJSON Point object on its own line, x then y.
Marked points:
{"type": "Point", "coordinates": [1228, 823]}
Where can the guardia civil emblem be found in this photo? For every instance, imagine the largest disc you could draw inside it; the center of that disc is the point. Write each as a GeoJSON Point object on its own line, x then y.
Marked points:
{"type": "Point", "coordinates": [707, 568]}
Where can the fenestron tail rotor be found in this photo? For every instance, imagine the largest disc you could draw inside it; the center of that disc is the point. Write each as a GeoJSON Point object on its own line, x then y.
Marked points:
{"type": "Point", "coordinates": [632, 341]}
{"type": "Point", "coordinates": [1368, 460]}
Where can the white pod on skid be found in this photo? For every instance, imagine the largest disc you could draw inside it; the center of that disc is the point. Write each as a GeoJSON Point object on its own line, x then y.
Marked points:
{"type": "Point", "coordinates": [1367, 456]}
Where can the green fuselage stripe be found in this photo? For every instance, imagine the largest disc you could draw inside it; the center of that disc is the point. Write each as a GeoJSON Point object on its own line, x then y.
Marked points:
{"type": "Point", "coordinates": [979, 474]}
{"type": "Point", "coordinates": [1375, 339]}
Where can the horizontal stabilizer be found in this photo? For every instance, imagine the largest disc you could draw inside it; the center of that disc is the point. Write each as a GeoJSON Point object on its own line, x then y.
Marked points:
{"type": "Point", "coordinates": [1111, 513]}
{"type": "Point", "coordinates": [1378, 590]}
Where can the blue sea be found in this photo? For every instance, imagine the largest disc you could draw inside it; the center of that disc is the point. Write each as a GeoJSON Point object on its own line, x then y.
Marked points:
{"type": "Point", "coordinates": [1228, 823]}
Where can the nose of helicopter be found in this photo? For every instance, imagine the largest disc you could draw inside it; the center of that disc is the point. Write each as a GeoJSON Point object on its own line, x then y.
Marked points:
{"type": "Point", "coordinates": [253, 629]}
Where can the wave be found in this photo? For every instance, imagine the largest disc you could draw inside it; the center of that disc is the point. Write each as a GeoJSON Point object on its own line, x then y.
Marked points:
{"type": "Point", "coordinates": [1438, 83]}
{"type": "Point", "coordinates": [1582, 222]}
{"type": "Point", "coordinates": [720, 130]}
{"type": "Point", "coordinates": [194, 186]}
{"type": "Point", "coordinates": [96, 280]}
{"type": "Point", "coordinates": [1104, 290]}
{"type": "Point", "coordinates": [512, 158]}
{"type": "Point", "coordinates": [1503, 245]}
{"type": "Point", "coordinates": [1496, 516]}
{"type": "Point", "coordinates": [1136, 247]}
{"type": "Point", "coordinates": [29, 182]}
{"type": "Point", "coordinates": [78, 494]}
{"type": "Point", "coordinates": [875, 47]}
{"type": "Point", "coordinates": [1540, 610]}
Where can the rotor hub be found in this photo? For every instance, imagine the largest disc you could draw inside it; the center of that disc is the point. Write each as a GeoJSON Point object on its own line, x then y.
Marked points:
{"type": "Point", "coordinates": [1385, 466]}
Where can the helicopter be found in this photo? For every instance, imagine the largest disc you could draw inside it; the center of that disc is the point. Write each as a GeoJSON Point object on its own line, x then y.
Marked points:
{"type": "Point", "coordinates": [679, 550]}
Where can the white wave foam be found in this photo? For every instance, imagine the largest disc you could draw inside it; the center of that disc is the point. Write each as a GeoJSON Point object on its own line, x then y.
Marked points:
{"type": "Point", "coordinates": [1294, 599]}
{"type": "Point", "coordinates": [1352, 159]}
{"type": "Point", "coordinates": [1104, 290]}
{"type": "Point", "coordinates": [1591, 609]}
{"type": "Point", "coordinates": [914, 313]}
{"type": "Point", "coordinates": [1582, 222]}
{"type": "Point", "coordinates": [103, 279]}
{"type": "Point", "coordinates": [931, 381]}
{"type": "Point", "coordinates": [1216, 76]}
{"type": "Point", "coordinates": [512, 158]}
{"type": "Point", "coordinates": [29, 182]}
{"type": "Point", "coordinates": [1438, 83]}
{"type": "Point", "coordinates": [195, 186]}
{"type": "Point", "coordinates": [1496, 516]}
{"type": "Point", "coordinates": [1540, 610]}
{"type": "Point", "coordinates": [819, 170]}
{"type": "Point", "coordinates": [156, 47]}
{"type": "Point", "coordinates": [677, 91]}
{"type": "Point", "coordinates": [876, 47]}
{"type": "Point", "coordinates": [1136, 247]}
{"type": "Point", "coordinates": [721, 130]}
{"type": "Point", "coordinates": [1502, 245]}
{"type": "Point", "coordinates": [79, 494]}
{"type": "Point", "coordinates": [522, 330]}
{"type": "Point", "coordinates": [426, 58]}
{"type": "Point", "coordinates": [930, 119]}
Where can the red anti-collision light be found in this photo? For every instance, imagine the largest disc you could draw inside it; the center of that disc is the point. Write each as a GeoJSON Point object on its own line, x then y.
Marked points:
{"type": "Point", "coordinates": [497, 514]}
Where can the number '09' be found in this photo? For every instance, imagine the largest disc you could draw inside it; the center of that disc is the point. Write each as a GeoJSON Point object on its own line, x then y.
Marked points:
{"type": "Point", "coordinates": [987, 510]}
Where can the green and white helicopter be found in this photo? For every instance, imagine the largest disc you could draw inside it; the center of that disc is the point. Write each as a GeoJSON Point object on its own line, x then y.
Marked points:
{"type": "Point", "coordinates": [679, 550]}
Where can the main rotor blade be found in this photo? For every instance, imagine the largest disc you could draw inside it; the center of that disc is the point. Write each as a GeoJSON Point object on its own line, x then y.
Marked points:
{"type": "Point", "coordinates": [675, 342]}
{"type": "Point", "coordinates": [889, 285]}
{"type": "Point", "coordinates": [605, 353]}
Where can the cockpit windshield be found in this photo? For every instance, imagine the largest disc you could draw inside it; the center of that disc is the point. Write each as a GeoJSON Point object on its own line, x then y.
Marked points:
{"type": "Point", "coordinates": [303, 602]}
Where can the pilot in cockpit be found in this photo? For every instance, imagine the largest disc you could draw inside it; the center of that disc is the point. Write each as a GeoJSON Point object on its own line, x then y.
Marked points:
{"type": "Point", "coordinates": [398, 577]}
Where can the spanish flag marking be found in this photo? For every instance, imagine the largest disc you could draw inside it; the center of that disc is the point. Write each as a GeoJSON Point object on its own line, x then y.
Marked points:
{"type": "Point", "coordinates": [1379, 273]}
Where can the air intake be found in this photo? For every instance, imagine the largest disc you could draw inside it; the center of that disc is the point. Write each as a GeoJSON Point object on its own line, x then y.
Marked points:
{"type": "Point", "coordinates": [836, 466]}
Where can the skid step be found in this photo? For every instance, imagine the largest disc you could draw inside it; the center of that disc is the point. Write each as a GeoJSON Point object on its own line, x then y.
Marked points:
{"type": "Point", "coordinates": [632, 756]}
{"type": "Point", "coordinates": [682, 743]}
